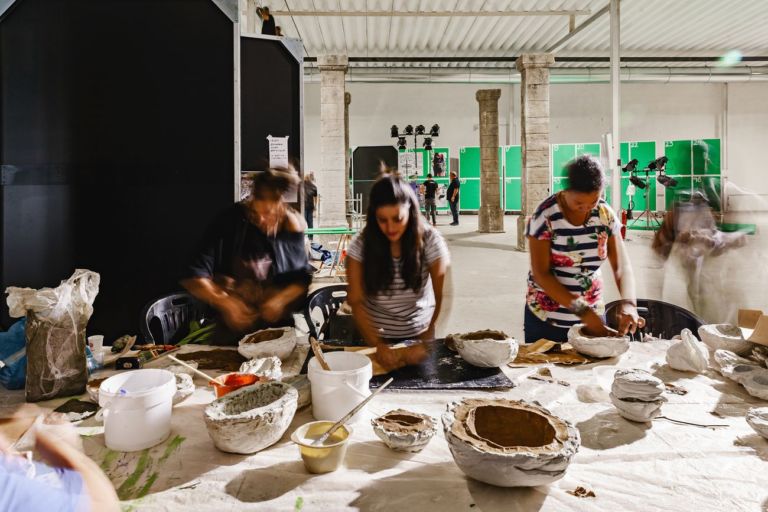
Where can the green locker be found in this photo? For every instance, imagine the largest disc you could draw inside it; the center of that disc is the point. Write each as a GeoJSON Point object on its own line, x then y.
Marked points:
{"type": "Point", "coordinates": [469, 162]}
{"type": "Point", "coordinates": [513, 162]}
{"type": "Point", "coordinates": [679, 154]}
{"type": "Point", "coordinates": [469, 194]}
{"type": "Point", "coordinates": [513, 194]}
{"type": "Point", "coordinates": [561, 155]}
{"type": "Point", "coordinates": [706, 156]}
{"type": "Point", "coordinates": [684, 186]}
{"type": "Point", "coordinates": [559, 184]}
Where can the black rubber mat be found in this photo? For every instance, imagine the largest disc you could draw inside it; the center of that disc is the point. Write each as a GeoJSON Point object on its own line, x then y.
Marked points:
{"type": "Point", "coordinates": [444, 369]}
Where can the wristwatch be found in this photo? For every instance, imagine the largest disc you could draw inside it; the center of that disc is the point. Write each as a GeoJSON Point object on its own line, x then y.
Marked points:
{"type": "Point", "coordinates": [579, 306]}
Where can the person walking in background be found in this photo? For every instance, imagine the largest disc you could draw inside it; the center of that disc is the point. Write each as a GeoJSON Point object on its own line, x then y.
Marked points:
{"type": "Point", "coordinates": [453, 198]}
{"type": "Point", "coordinates": [430, 204]}
{"type": "Point", "coordinates": [310, 199]}
{"type": "Point", "coordinates": [267, 21]}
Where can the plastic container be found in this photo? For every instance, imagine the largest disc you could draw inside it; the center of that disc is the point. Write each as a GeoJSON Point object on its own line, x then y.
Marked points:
{"type": "Point", "coordinates": [232, 381]}
{"type": "Point", "coordinates": [338, 391]}
{"type": "Point", "coordinates": [137, 408]}
{"type": "Point", "coordinates": [330, 455]}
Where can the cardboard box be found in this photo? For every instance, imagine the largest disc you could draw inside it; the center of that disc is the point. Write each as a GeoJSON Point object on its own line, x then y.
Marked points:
{"type": "Point", "coordinates": [754, 326]}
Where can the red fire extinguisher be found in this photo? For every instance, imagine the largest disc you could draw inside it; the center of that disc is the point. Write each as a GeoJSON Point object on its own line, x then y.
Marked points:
{"type": "Point", "coordinates": [623, 224]}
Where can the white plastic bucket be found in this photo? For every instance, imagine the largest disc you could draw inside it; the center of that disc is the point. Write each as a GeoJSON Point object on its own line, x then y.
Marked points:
{"type": "Point", "coordinates": [338, 391]}
{"type": "Point", "coordinates": [137, 408]}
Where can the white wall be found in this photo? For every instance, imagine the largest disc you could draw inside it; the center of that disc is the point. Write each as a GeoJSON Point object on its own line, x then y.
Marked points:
{"type": "Point", "coordinates": [579, 113]}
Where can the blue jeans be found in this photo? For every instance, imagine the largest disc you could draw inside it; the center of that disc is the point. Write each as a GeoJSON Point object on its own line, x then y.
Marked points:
{"type": "Point", "coordinates": [535, 329]}
{"type": "Point", "coordinates": [454, 211]}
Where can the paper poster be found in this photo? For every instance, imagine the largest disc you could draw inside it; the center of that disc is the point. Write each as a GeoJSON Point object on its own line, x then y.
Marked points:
{"type": "Point", "coordinates": [441, 196]}
{"type": "Point", "coordinates": [278, 151]}
{"type": "Point", "coordinates": [408, 164]}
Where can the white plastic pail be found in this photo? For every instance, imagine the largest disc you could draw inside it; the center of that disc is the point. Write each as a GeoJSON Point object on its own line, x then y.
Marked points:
{"type": "Point", "coordinates": [137, 408]}
{"type": "Point", "coordinates": [338, 391]}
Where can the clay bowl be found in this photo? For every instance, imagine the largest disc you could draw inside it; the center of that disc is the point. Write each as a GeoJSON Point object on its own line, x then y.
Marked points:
{"type": "Point", "coordinates": [599, 347]}
{"type": "Point", "coordinates": [328, 457]}
{"type": "Point", "coordinates": [486, 349]}
{"type": "Point", "coordinates": [252, 418]}
{"type": "Point", "coordinates": [404, 431]}
{"type": "Point", "coordinates": [725, 337]}
{"type": "Point", "coordinates": [639, 411]}
{"type": "Point", "coordinates": [757, 418]}
{"type": "Point", "coordinates": [278, 342]}
{"type": "Point", "coordinates": [509, 443]}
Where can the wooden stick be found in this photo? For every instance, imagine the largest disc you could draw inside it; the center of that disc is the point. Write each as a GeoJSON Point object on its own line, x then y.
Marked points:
{"type": "Point", "coordinates": [320, 440]}
{"type": "Point", "coordinates": [319, 353]}
{"type": "Point", "coordinates": [182, 363]}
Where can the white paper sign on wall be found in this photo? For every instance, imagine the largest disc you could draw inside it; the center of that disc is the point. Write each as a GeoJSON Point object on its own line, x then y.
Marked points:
{"type": "Point", "coordinates": [278, 151]}
{"type": "Point", "coordinates": [408, 164]}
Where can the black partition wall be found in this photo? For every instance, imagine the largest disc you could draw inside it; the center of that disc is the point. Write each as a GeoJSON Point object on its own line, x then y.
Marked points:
{"type": "Point", "coordinates": [116, 143]}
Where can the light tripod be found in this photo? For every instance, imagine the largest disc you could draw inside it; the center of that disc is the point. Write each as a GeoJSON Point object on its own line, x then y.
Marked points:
{"type": "Point", "coordinates": [647, 213]}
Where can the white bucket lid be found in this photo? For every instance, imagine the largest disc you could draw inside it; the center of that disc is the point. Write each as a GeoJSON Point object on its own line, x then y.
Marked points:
{"type": "Point", "coordinates": [345, 362]}
{"type": "Point", "coordinates": [145, 384]}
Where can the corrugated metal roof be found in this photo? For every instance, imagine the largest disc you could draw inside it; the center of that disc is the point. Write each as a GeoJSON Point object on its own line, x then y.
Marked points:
{"type": "Point", "coordinates": [649, 28]}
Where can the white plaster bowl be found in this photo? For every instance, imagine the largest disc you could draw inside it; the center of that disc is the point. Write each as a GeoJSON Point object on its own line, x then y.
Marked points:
{"type": "Point", "coordinates": [184, 387]}
{"type": "Point", "coordinates": [270, 368]}
{"type": "Point", "coordinates": [278, 342]}
{"type": "Point", "coordinates": [638, 410]}
{"type": "Point", "coordinates": [251, 418]}
{"type": "Point", "coordinates": [688, 354]}
{"type": "Point", "coordinates": [635, 384]}
{"type": "Point", "coordinates": [404, 431]}
{"type": "Point", "coordinates": [509, 443]}
{"type": "Point", "coordinates": [735, 367]}
{"type": "Point", "coordinates": [724, 336]}
{"type": "Point", "coordinates": [756, 383]}
{"type": "Point", "coordinates": [757, 418]}
{"type": "Point", "coordinates": [487, 349]}
{"type": "Point", "coordinates": [600, 347]}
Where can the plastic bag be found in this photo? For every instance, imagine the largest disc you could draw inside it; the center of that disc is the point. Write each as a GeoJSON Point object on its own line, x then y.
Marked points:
{"type": "Point", "coordinates": [13, 356]}
{"type": "Point", "coordinates": [55, 334]}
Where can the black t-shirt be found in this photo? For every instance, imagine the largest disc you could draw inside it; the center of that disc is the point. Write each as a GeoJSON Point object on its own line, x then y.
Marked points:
{"type": "Point", "coordinates": [310, 191]}
{"type": "Point", "coordinates": [268, 26]}
{"type": "Point", "coordinates": [240, 257]}
{"type": "Point", "coordinates": [430, 187]}
{"type": "Point", "coordinates": [454, 186]}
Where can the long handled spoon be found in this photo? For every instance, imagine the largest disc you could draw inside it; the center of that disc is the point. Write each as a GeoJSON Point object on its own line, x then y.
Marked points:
{"type": "Point", "coordinates": [320, 440]}
{"type": "Point", "coordinates": [182, 363]}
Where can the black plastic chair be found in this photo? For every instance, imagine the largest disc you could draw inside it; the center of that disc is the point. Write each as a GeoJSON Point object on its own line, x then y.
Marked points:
{"type": "Point", "coordinates": [322, 306]}
{"type": "Point", "coordinates": [165, 320]}
{"type": "Point", "coordinates": [662, 320]}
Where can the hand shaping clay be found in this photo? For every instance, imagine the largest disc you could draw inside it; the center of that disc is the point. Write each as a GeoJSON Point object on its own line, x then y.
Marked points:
{"type": "Point", "coordinates": [487, 349]}
{"type": "Point", "coordinates": [602, 347]}
{"type": "Point", "coordinates": [404, 431]}
{"type": "Point", "coordinates": [724, 336]}
{"type": "Point", "coordinates": [689, 354]}
{"type": "Point", "coordinates": [509, 443]}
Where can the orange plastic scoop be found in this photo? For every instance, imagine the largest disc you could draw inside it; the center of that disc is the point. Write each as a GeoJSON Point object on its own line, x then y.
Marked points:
{"type": "Point", "coordinates": [232, 381]}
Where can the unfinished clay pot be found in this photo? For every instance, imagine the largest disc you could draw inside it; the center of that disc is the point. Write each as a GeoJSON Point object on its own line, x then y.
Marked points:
{"type": "Point", "coordinates": [724, 336]}
{"type": "Point", "coordinates": [269, 368]}
{"type": "Point", "coordinates": [760, 353]}
{"type": "Point", "coordinates": [600, 347]}
{"type": "Point", "coordinates": [404, 431]}
{"type": "Point", "coordinates": [184, 388]}
{"type": "Point", "coordinates": [251, 418]}
{"type": "Point", "coordinates": [756, 383]}
{"type": "Point", "coordinates": [735, 367]}
{"type": "Point", "coordinates": [509, 443]}
{"type": "Point", "coordinates": [278, 342]}
{"type": "Point", "coordinates": [635, 384]}
{"type": "Point", "coordinates": [728, 358]}
{"type": "Point", "coordinates": [487, 349]}
{"type": "Point", "coordinates": [757, 418]}
{"type": "Point", "coordinates": [638, 410]}
{"type": "Point", "coordinates": [689, 354]}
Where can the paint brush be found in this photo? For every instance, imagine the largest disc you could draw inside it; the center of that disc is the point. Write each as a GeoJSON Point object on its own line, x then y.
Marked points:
{"type": "Point", "coordinates": [198, 372]}
{"type": "Point", "coordinates": [319, 353]}
{"type": "Point", "coordinates": [320, 440]}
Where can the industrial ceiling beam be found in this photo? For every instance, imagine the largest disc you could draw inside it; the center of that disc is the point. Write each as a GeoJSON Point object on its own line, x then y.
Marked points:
{"type": "Point", "coordinates": [574, 32]}
{"type": "Point", "coordinates": [428, 14]}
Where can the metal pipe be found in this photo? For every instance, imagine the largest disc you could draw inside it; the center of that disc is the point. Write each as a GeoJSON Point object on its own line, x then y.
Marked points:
{"type": "Point", "coordinates": [431, 14]}
{"type": "Point", "coordinates": [513, 59]}
{"type": "Point", "coordinates": [573, 31]}
{"type": "Point", "coordinates": [614, 153]}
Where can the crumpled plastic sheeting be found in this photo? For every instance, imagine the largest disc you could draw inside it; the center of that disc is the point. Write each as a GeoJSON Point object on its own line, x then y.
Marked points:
{"type": "Point", "coordinates": [631, 467]}
{"type": "Point", "coordinates": [55, 332]}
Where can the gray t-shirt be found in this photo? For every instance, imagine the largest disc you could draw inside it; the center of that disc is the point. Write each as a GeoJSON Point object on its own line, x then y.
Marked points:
{"type": "Point", "coordinates": [399, 312]}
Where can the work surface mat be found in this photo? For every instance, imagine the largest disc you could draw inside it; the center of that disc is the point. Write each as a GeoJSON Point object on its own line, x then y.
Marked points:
{"type": "Point", "coordinates": [444, 369]}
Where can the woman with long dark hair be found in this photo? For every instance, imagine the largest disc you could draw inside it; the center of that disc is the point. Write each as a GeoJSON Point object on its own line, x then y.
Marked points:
{"type": "Point", "coordinates": [570, 236]}
{"type": "Point", "coordinates": [396, 270]}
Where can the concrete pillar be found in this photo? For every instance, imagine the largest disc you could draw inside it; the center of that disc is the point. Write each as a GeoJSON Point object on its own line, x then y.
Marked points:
{"type": "Point", "coordinates": [534, 134]}
{"type": "Point", "coordinates": [331, 180]}
{"type": "Point", "coordinates": [347, 189]}
{"type": "Point", "coordinates": [491, 215]}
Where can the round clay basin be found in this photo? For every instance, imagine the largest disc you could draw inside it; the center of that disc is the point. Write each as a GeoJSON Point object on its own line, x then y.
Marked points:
{"type": "Point", "coordinates": [506, 427]}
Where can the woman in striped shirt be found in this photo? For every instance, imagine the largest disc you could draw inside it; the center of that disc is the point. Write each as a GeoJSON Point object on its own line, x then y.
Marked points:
{"type": "Point", "coordinates": [570, 235]}
{"type": "Point", "coordinates": [396, 269]}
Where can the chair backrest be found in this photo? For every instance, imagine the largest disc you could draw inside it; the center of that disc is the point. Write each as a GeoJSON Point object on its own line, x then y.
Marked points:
{"type": "Point", "coordinates": [322, 305]}
{"type": "Point", "coordinates": [662, 320]}
{"type": "Point", "coordinates": [166, 319]}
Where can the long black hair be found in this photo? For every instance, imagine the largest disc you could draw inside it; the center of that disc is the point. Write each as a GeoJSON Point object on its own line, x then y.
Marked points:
{"type": "Point", "coordinates": [378, 273]}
